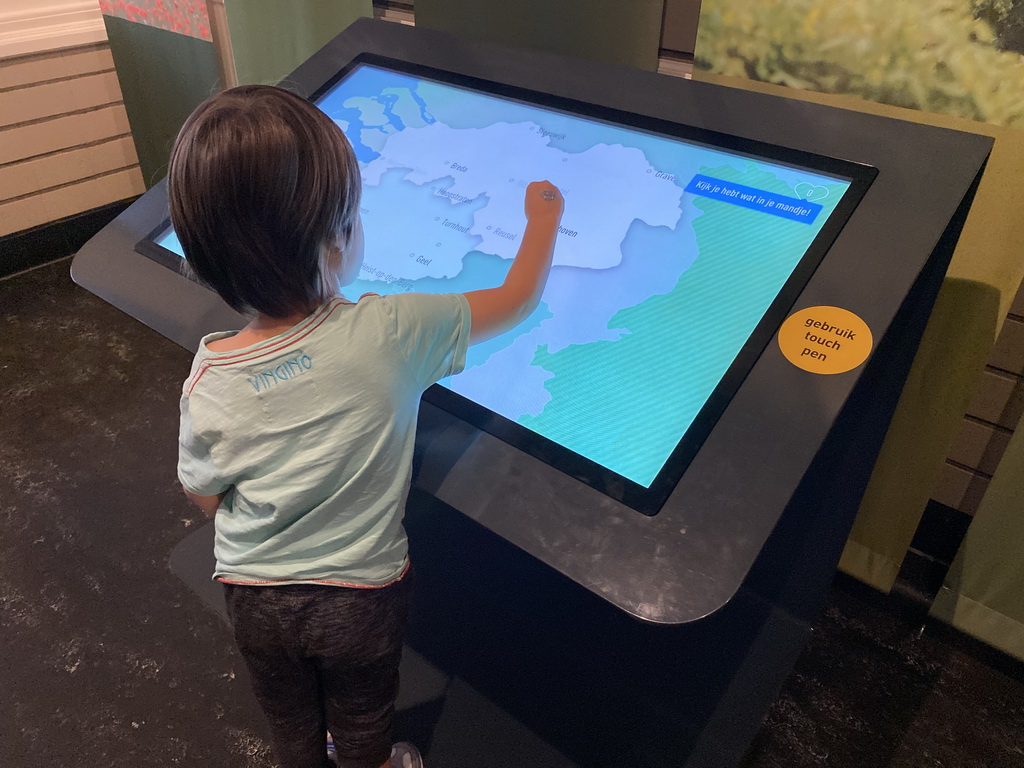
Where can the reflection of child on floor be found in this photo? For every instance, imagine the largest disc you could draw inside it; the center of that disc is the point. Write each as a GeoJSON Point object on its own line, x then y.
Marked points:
{"type": "Point", "coordinates": [297, 431]}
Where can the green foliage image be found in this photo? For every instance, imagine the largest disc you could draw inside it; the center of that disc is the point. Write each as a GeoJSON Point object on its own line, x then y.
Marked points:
{"type": "Point", "coordinates": [932, 55]}
{"type": "Point", "coordinates": [1006, 18]}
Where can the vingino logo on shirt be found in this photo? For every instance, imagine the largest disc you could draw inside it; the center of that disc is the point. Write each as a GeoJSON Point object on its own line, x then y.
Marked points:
{"type": "Point", "coordinates": [281, 370]}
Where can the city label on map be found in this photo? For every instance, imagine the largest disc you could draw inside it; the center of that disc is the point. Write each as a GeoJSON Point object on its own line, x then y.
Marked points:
{"type": "Point", "coordinates": [825, 340]}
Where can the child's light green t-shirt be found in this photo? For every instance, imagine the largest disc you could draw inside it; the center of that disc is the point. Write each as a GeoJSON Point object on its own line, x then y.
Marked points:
{"type": "Point", "coordinates": [311, 435]}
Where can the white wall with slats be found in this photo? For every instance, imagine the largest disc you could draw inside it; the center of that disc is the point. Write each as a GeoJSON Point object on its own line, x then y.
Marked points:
{"type": "Point", "coordinates": [65, 142]}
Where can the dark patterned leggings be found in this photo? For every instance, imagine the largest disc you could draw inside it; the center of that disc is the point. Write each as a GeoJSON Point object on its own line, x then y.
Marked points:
{"type": "Point", "coordinates": [323, 658]}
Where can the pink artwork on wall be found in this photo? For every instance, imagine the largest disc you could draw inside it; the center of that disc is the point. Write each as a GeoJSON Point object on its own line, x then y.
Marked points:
{"type": "Point", "coordinates": [186, 17]}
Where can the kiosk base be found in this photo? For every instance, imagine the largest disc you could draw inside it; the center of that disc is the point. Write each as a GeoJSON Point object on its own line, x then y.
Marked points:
{"type": "Point", "coordinates": [510, 664]}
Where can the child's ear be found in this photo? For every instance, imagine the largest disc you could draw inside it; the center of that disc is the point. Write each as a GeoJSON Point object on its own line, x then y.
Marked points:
{"type": "Point", "coordinates": [333, 254]}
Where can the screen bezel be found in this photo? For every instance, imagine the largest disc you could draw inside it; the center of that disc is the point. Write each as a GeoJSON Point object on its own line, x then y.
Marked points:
{"type": "Point", "coordinates": [646, 500]}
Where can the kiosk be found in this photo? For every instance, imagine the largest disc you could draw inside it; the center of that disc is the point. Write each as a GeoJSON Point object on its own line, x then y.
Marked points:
{"type": "Point", "coordinates": [628, 511]}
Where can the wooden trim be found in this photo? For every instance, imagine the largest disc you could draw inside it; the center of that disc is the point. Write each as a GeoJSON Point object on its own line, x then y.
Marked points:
{"type": "Point", "coordinates": [1017, 308]}
{"type": "Point", "coordinates": [979, 445]}
{"type": "Point", "coordinates": [1008, 352]}
{"type": "Point", "coordinates": [25, 71]}
{"type": "Point", "coordinates": [221, 37]}
{"type": "Point", "coordinates": [960, 487]}
{"type": "Point", "coordinates": [998, 399]}
{"type": "Point", "coordinates": [62, 133]}
{"type": "Point", "coordinates": [27, 27]}
{"type": "Point", "coordinates": [66, 167]}
{"type": "Point", "coordinates": [59, 203]}
{"type": "Point", "coordinates": [54, 240]}
{"type": "Point", "coordinates": [23, 105]}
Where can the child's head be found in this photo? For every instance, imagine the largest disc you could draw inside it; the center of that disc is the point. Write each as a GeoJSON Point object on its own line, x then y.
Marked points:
{"type": "Point", "coordinates": [263, 189]}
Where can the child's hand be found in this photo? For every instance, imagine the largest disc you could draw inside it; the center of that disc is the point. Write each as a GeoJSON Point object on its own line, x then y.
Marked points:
{"type": "Point", "coordinates": [543, 201]}
{"type": "Point", "coordinates": [494, 310]}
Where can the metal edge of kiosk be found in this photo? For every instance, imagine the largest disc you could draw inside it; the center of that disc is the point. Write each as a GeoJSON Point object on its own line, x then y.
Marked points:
{"type": "Point", "coordinates": [769, 446]}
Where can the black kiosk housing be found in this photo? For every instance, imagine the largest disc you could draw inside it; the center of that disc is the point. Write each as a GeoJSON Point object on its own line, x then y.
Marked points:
{"type": "Point", "coordinates": [555, 625]}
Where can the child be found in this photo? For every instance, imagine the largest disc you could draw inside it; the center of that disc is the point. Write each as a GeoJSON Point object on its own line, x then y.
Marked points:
{"type": "Point", "coordinates": [297, 431]}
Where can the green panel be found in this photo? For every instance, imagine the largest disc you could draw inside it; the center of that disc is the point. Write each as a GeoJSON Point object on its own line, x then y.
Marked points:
{"type": "Point", "coordinates": [984, 590]}
{"type": "Point", "coordinates": [602, 30]}
{"type": "Point", "coordinates": [271, 38]}
{"type": "Point", "coordinates": [953, 350]}
{"type": "Point", "coordinates": [163, 77]}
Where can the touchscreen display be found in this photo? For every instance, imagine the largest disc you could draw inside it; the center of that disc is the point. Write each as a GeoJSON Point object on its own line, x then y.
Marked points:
{"type": "Point", "coordinates": [671, 252]}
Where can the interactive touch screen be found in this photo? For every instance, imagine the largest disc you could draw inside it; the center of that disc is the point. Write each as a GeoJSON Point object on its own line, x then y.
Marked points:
{"type": "Point", "coordinates": [679, 253]}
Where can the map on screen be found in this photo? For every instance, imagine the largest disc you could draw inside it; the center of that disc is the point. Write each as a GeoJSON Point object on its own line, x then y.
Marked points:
{"type": "Point", "coordinates": [668, 256]}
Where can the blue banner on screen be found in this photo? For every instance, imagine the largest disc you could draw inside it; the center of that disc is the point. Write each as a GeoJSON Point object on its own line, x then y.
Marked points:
{"type": "Point", "coordinates": [794, 208]}
{"type": "Point", "coordinates": [653, 291]}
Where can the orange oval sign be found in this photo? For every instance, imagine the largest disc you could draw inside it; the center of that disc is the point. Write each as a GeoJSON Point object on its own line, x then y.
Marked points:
{"type": "Point", "coordinates": [825, 340]}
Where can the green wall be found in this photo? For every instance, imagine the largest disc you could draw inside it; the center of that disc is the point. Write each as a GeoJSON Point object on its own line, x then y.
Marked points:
{"type": "Point", "coordinates": [602, 30]}
{"type": "Point", "coordinates": [983, 594]}
{"type": "Point", "coordinates": [163, 76]}
{"type": "Point", "coordinates": [270, 38]}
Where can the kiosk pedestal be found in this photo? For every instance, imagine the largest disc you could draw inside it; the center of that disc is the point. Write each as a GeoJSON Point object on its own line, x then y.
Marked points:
{"type": "Point", "coordinates": [554, 624]}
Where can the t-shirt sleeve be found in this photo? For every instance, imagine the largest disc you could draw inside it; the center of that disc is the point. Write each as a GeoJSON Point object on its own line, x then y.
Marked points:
{"type": "Point", "coordinates": [196, 469]}
{"type": "Point", "coordinates": [432, 331]}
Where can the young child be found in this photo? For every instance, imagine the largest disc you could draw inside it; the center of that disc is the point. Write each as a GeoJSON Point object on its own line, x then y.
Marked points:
{"type": "Point", "coordinates": [297, 431]}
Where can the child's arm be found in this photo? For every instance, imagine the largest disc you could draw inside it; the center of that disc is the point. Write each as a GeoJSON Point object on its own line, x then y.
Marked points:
{"type": "Point", "coordinates": [496, 310]}
{"type": "Point", "coordinates": [208, 504]}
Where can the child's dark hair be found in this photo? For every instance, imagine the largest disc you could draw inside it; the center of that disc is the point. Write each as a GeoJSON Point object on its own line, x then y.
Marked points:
{"type": "Point", "coordinates": [261, 182]}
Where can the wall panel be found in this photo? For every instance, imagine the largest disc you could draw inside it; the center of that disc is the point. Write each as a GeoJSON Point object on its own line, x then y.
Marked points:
{"type": "Point", "coordinates": [62, 202]}
{"type": "Point", "coordinates": [65, 143]}
{"type": "Point", "coordinates": [65, 132]}
{"type": "Point", "coordinates": [59, 65]}
{"type": "Point", "coordinates": [994, 414]}
{"type": "Point", "coordinates": [55, 98]}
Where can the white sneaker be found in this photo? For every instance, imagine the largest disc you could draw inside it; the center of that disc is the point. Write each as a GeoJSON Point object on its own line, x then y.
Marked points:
{"type": "Point", "coordinates": [405, 755]}
{"type": "Point", "coordinates": [332, 751]}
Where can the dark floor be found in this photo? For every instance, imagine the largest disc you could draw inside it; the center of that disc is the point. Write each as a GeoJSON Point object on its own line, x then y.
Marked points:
{"type": "Point", "coordinates": [107, 659]}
